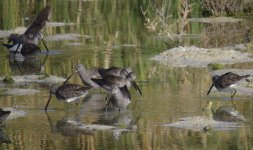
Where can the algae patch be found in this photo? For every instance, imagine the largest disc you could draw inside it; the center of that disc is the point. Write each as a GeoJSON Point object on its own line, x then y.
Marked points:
{"type": "Point", "coordinates": [214, 66]}
{"type": "Point", "coordinates": [198, 123]}
{"type": "Point", "coordinates": [43, 78]}
{"type": "Point", "coordinates": [8, 79]}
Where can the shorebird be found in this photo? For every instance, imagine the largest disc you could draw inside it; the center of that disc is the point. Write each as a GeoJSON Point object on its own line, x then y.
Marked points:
{"type": "Point", "coordinates": [121, 72]}
{"type": "Point", "coordinates": [104, 77]}
{"type": "Point", "coordinates": [23, 43]}
{"type": "Point", "coordinates": [110, 82]}
{"type": "Point", "coordinates": [26, 50]}
{"type": "Point", "coordinates": [227, 82]}
{"type": "Point", "coordinates": [120, 98]}
{"type": "Point", "coordinates": [85, 75]}
{"type": "Point", "coordinates": [3, 115]}
{"type": "Point", "coordinates": [67, 92]}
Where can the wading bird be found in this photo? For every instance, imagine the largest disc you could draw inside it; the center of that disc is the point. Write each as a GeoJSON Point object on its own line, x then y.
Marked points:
{"type": "Point", "coordinates": [227, 83]}
{"type": "Point", "coordinates": [67, 93]}
{"type": "Point", "coordinates": [27, 43]}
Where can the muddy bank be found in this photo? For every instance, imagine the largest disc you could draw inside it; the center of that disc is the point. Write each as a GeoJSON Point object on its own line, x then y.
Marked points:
{"type": "Point", "coordinates": [49, 79]}
{"type": "Point", "coordinates": [69, 36]}
{"type": "Point", "coordinates": [213, 20]}
{"type": "Point", "coordinates": [201, 57]}
{"type": "Point", "coordinates": [20, 91]}
{"type": "Point", "coordinates": [198, 123]}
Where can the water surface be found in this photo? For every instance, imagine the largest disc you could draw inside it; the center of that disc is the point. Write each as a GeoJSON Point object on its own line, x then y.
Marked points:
{"type": "Point", "coordinates": [112, 33]}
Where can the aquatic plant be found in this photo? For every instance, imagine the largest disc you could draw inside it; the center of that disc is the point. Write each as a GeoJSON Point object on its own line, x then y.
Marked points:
{"type": "Point", "coordinates": [8, 79]}
{"type": "Point", "coordinates": [215, 66]}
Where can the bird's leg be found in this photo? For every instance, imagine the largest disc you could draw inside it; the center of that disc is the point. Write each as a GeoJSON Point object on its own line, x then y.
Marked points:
{"type": "Point", "coordinates": [232, 97]}
{"type": "Point", "coordinates": [107, 101]}
{"type": "Point", "coordinates": [43, 64]}
{"type": "Point", "coordinates": [50, 121]}
{"type": "Point", "coordinates": [17, 49]}
{"type": "Point", "coordinates": [106, 98]}
{"type": "Point", "coordinates": [19, 67]}
{"type": "Point", "coordinates": [44, 45]}
{"type": "Point", "coordinates": [48, 101]}
{"type": "Point", "coordinates": [77, 108]}
{"type": "Point", "coordinates": [67, 106]}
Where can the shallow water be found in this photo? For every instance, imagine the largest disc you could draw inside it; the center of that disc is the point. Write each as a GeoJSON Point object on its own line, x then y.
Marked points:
{"type": "Point", "coordinates": [115, 37]}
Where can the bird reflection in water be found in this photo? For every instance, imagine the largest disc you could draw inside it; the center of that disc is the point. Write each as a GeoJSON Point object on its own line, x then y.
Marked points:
{"type": "Point", "coordinates": [28, 66]}
{"type": "Point", "coordinates": [228, 114]}
{"type": "Point", "coordinates": [124, 122]}
{"type": "Point", "coordinates": [3, 137]}
{"type": "Point", "coordinates": [120, 98]}
{"type": "Point", "coordinates": [224, 113]}
{"type": "Point", "coordinates": [69, 126]}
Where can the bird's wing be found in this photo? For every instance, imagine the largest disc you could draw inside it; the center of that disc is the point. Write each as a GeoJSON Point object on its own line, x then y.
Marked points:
{"type": "Point", "coordinates": [38, 23]}
{"type": "Point", "coordinates": [229, 78]}
{"type": "Point", "coordinates": [70, 90]}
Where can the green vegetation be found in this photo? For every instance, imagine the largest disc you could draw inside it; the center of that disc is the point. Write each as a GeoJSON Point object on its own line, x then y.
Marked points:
{"type": "Point", "coordinates": [214, 66]}
{"type": "Point", "coordinates": [8, 79]}
{"type": "Point", "coordinates": [43, 75]}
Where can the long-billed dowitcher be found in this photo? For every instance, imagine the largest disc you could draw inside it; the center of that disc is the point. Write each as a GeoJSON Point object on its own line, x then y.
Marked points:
{"type": "Point", "coordinates": [23, 43]}
{"type": "Point", "coordinates": [85, 75]}
{"type": "Point", "coordinates": [109, 82]}
{"type": "Point", "coordinates": [67, 92]}
{"type": "Point", "coordinates": [227, 83]}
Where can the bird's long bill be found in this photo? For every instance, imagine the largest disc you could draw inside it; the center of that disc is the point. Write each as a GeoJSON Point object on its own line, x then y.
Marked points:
{"type": "Point", "coordinates": [48, 101]}
{"type": "Point", "coordinates": [68, 78]}
{"type": "Point", "coordinates": [45, 45]}
{"type": "Point", "coordinates": [136, 87]}
{"type": "Point", "coordinates": [210, 89]}
{"type": "Point", "coordinates": [17, 49]}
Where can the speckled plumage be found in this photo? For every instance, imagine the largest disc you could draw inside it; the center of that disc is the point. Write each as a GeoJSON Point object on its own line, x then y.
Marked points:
{"type": "Point", "coordinates": [226, 83]}
{"type": "Point", "coordinates": [227, 79]}
{"type": "Point", "coordinates": [109, 82]}
{"type": "Point", "coordinates": [67, 92]}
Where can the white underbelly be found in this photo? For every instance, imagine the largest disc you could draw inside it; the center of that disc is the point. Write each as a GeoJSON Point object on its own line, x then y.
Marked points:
{"type": "Point", "coordinates": [13, 48]}
{"type": "Point", "coordinates": [74, 98]}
